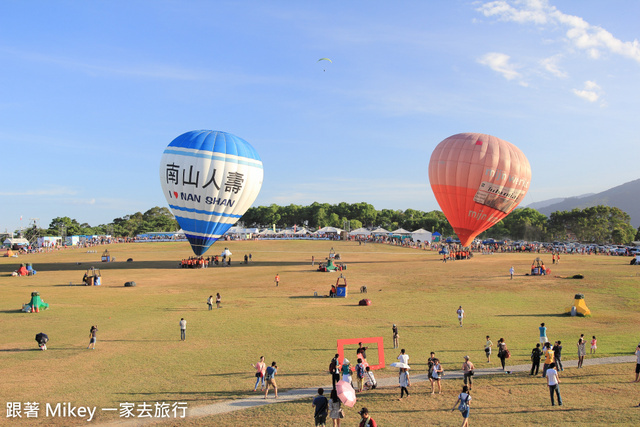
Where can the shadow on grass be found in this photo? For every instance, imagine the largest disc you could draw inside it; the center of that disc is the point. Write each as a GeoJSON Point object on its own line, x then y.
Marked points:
{"type": "Point", "coordinates": [184, 309]}
{"type": "Point", "coordinates": [138, 340]}
{"type": "Point", "coordinates": [11, 311]}
{"type": "Point", "coordinates": [532, 315]}
{"type": "Point", "coordinates": [19, 349]}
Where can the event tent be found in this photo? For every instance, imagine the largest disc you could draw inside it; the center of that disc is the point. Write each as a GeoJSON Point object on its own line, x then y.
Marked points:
{"type": "Point", "coordinates": [360, 232]}
{"type": "Point", "coordinates": [327, 230]}
{"type": "Point", "coordinates": [379, 231]}
{"type": "Point", "coordinates": [422, 235]}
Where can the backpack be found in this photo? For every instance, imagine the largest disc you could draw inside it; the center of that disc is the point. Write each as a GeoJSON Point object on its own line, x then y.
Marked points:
{"type": "Point", "coordinates": [269, 374]}
{"type": "Point", "coordinates": [464, 405]}
{"type": "Point", "coordinates": [332, 366]}
{"type": "Point", "coordinates": [360, 371]}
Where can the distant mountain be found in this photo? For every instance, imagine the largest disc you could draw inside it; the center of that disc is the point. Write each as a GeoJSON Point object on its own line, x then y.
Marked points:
{"type": "Point", "coordinates": [625, 197]}
{"type": "Point", "coordinates": [543, 204]}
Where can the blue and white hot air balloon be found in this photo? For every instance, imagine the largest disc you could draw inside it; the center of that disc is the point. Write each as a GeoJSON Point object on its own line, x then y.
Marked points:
{"type": "Point", "coordinates": [210, 179]}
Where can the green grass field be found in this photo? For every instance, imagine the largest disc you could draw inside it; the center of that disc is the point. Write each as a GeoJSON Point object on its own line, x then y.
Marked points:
{"type": "Point", "coordinates": [140, 358]}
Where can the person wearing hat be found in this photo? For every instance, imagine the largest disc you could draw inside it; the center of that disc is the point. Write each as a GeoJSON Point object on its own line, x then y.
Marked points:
{"type": "Point", "coordinates": [346, 370]}
{"type": "Point", "coordinates": [396, 341]}
{"type": "Point", "coordinates": [467, 369]}
{"type": "Point", "coordinates": [366, 420]}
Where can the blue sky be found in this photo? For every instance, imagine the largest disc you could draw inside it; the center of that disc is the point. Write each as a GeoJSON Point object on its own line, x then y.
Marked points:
{"type": "Point", "coordinates": [92, 92]}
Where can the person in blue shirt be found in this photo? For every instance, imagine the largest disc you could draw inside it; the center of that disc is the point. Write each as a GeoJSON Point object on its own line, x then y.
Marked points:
{"type": "Point", "coordinates": [269, 377]}
{"type": "Point", "coordinates": [543, 334]}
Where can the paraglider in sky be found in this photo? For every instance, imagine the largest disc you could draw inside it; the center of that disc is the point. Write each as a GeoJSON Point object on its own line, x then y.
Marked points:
{"type": "Point", "coordinates": [477, 180]}
{"type": "Point", "coordinates": [210, 179]}
{"type": "Point", "coordinates": [325, 59]}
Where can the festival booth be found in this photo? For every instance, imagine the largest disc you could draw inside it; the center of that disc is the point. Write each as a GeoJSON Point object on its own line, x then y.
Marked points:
{"type": "Point", "coordinates": [35, 305]}
{"type": "Point", "coordinates": [421, 235]}
{"type": "Point", "coordinates": [400, 233]}
{"type": "Point", "coordinates": [436, 237]}
{"type": "Point", "coordinates": [360, 232]}
{"type": "Point", "coordinates": [579, 307]}
{"type": "Point", "coordinates": [15, 243]}
{"type": "Point", "coordinates": [378, 232]}
{"type": "Point", "coordinates": [92, 277]}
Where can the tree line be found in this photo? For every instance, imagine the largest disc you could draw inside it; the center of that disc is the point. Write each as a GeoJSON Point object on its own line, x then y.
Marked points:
{"type": "Point", "coordinates": [599, 224]}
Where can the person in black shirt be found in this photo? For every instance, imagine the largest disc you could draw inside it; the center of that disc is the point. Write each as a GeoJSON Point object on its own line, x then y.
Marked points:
{"type": "Point", "coordinates": [536, 354]}
{"type": "Point", "coordinates": [557, 354]}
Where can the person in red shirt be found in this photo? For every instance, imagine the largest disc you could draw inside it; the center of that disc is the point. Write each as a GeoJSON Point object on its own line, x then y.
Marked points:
{"type": "Point", "coordinates": [366, 421]}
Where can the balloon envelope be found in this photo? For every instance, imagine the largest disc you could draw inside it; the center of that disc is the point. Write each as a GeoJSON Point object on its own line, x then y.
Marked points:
{"type": "Point", "coordinates": [477, 180]}
{"type": "Point", "coordinates": [210, 179]}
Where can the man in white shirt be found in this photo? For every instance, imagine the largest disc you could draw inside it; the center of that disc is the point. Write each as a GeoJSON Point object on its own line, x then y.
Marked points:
{"type": "Point", "coordinates": [553, 381]}
{"type": "Point", "coordinates": [460, 312]}
{"type": "Point", "coordinates": [404, 358]}
{"type": "Point", "coordinates": [183, 329]}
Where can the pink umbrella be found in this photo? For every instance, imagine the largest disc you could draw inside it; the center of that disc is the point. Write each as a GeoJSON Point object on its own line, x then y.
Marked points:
{"type": "Point", "coordinates": [346, 393]}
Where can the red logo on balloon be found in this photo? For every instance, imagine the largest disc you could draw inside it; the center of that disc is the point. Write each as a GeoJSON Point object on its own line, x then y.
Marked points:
{"type": "Point", "coordinates": [175, 193]}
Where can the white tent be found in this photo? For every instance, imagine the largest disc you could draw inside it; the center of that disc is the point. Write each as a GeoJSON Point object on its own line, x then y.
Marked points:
{"type": "Point", "coordinates": [326, 230]}
{"type": "Point", "coordinates": [302, 232]}
{"type": "Point", "coordinates": [401, 232]}
{"type": "Point", "coordinates": [421, 234]}
{"type": "Point", "coordinates": [268, 232]}
{"type": "Point", "coordinates": [16, 241]}
{"type": "Point", "coordinates": [378, 231]}
{"type": "Point", "coordinates": [360, 232]}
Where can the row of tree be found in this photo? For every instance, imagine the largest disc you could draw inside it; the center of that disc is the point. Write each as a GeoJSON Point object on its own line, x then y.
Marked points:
{"type": "Point", "coordinates": [599, 224]}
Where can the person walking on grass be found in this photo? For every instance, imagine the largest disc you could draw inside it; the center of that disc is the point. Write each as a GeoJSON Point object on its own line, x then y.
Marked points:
{"type": "Point", "coordinates": [460, 313]}
{"type": "Point", "coordinates": [183, 329]}
{"type": "Point", "coordinates": [637, 364]}
{"type": "Point", "coordinates": [270, 378]}
{"type": "Point", "coordinates": [405, 381]}
{"type": "Point", "coordinates": [92, 337]}
{"type": "Point", "coordinates": [334, 369]}
{"type": "Point", "coordinates": [403, 357]}
{"type": "Point", "coordinates": [467, 369]}
{"type": "Point", "coordinates": [431, 363]}
{"type": "Point", "coordinates": [335, 410]}
{"type": "Point", "coordinates": [511, 271]}
{"type": "Point", "coordinates": [553, 381]}
{"type": "Point", "coordinates": [360, 373]}
{"type": "Point", "coordinates": [462, 404]}
{"type": "Point", "coordinates": [260, 371]}
{"type": "Point", "coordinates": [594, 345]}
{"type": "Point", "coordinates": [487, 349]}
{"type": "Point", "coordinates": [396, 337]}
{"type": "Point", "coordinates": [218, 300]}
{"type": "Point", "coordinates": [346, 370]}
{"type": "Point", "coordinates": [436, 375]}
{"type": "Point", "coordinates": [277, 280]}
{"type": "Point", "coordinates": [210, 302]}
{"type": "Point", "coordinates": [536, 354]}
{"type": "Point", "coordinates": [557, 355]}
{"type": "Point", "coordinates": [503, 352]}
{"type": "Point", "coordinates": [321, 406]}
{"type": "Point", "coordinates": [543, 334]}
{"type": "Point", "coordinates": [582, 351]}
{"type": "Point", "coordinates": [548, 358]}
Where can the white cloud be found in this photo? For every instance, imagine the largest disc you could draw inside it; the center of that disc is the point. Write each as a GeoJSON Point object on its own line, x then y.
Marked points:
{"type": "Point", "coordinates": [551, 65]}
{"type": "Point", "coordinates": [499, 62]}
{"type": "Point", "coordinates": [591, 91]}
{"type": "Point", "coordinates": [590, 38]}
